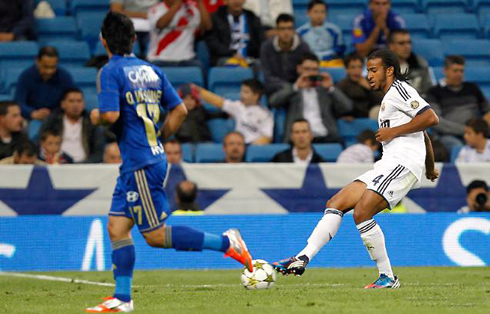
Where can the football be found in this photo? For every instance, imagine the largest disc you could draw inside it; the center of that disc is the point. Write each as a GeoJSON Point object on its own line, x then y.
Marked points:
{"type": "Point", "coordinates": [263, 277]}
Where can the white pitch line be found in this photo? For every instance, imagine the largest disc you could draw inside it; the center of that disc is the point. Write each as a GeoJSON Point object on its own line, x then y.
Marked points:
{"type": "Point", "coordinates": [53, 278]}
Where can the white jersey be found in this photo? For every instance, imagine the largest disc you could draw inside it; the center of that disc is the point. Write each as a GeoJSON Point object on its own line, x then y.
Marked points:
{"type": "Point", "coordinates": [399, 106]}
{"type": "Point", "coordinates": [253, 122]}
{"type": "Point", "coordinates": [176, 41]}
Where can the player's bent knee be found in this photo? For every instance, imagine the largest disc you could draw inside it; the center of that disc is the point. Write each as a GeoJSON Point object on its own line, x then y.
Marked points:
{"type": "Point", "coordinates": [156, 238]}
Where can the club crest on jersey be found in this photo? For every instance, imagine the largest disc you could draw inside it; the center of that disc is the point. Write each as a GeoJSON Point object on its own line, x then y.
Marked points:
{"type": "Point", "coordinates": [414, 104]}
{"type": "Point", "coordinates": [132, 196]}
{"type": "Point", "coordinates": [383, 107]}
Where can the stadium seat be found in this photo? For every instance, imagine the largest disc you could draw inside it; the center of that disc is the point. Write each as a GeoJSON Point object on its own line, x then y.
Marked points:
{"type": "Point", "coordinates": [188, 152]}
{"type": "Point", "coordinates": [227, 79]}
{"type": "Point", "coordinates": [475, 51]}
{"type": "Point", "coordinates": [279, 124]}
{"type": "Point", "coordinates": [264, 153]}
{"type": "Point", "coordinates": [418, 25]}
{"type": "Point", "coordinates": [443, 6]}
{"type": "Point", "coordinates": [202, 52]}
{"type": "Point", "coordinates": [83, 76]}
{"type": "Point", "coordinates": [343, 21]}
{"type": "Point", "coordinates": [350, 130]}
{"type": "Point", "coordinates": [209, 153]}
{"type": "Point", "coordinates": [91, 101]}
{"type": "Point", "coordinates": [300, 7]}
{"type": "Point", "coordinates": [219, 128]}
{"type": "Point", "coordinates": [351, 7]}
{"type": "Point", "coordinates": [455, 152]}
{"type": "Point", "coordinates": [405, 6]}
{"type": "Point", "coordinates": [5, 97]}
{"type": "Point", "coordinates": [10, 79]}
{"type": "Point", "coordinates": [179, 76]}
{"type": "Point", "coordinates": [99, 49]}
{"type": "Point", "coordinates": [18, 53]}
{"type": "Point", "coordinates": [58, 28]}
{"type": "Point", "coordinates": [479, 75]}
{"type": "Point", "coordinates": [481, 7]}
{"type": "Point", "coordinates": [438, 73]}
{"type": "Point", "coordinates": [300, 18]}
{"type": "Point", "coordinates": [455, 26]}
{"type": "Point", "coordinates": [336, 73]}
{"type": "Point", "coordinates": [83, 6]}
{"type": "Point", "coordinates": [329, 152]}
{"type": "Point", "coordinates": [485, 24]}
{"type": "Point", "coordinates": [33, 129]}
{"type": "Point", "coordinates": [72, 53]}
{"type": "Point", "coordinates": [89, 26]}
{"type": "Point", "coordinates": [430, 49]}
{"type": "Point", "coordinates": [58, 6]}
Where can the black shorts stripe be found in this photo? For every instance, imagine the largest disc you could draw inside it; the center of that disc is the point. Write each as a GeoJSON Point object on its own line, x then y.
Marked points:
{"type": "Point", "coordinates": [397, 174]}
{"type": "Point", "coordinates": [388, 177]}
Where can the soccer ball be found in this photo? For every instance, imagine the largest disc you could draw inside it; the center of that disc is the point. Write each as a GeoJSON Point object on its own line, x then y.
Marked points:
{"type": "Point", "coordinates": [263, 277]}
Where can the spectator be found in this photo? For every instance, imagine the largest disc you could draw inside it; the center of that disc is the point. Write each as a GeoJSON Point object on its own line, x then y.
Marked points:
{"type": "Point", "coordinates": [268, 11]}
{"type": "Point", "coordinates": [137, 10]}
{"type": "Point", "coordinates": [280, 55]}
{"type": "Point", "coordinates": [173, 28]}
{"type": "Point", "coordinates": [400, 43]}
{"type": "Point", "coordinates": [478, 198]}
{"type": "Point", "coordinates": [236, 35]}
{"type": "Point", "coordinates": [10, 128]}
{"type": "Point", "coordinates": [314, 98]}
{"type": "Point", "coordinates": [477, 147]}
{"type": "Point", "coordinates": [324, 38]}
{"type": "Point", "coordinates": [363, 151]}
{"type": "Point", "coordinates": [372, 28]}
{"type": "Point", "coordinates": [16, 20]}
{"type": "Point", "coordinates": [25, 154]}
{"type": "Point", "coordinates": [356, 87]}
{"type": "Point", "coordinates": [41, 86]}
{"type": "Point", "coordinates": [194, 129]}
{"type": "Point", "coordinates": [112, 154]}
{"type": "Point", "coordinates": [456, 102]}
{"type": "Point", "coordinates": [185, 197]}
{"type": "Point", "coordinates": [234, 147]}
{"type": "Point", "coordinates": [255, 122]}
{"type": "Point", "coordinates": [173, 150]}
{"type": "Point", "coordinates": [50, 151]}
{"type": "Point", "coordinates": [81, 140]}
{"type": "Point", "coordinates": [301, 152]}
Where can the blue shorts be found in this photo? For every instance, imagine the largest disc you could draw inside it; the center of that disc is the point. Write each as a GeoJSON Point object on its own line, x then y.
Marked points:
{"type": "Point", "coordinates": [139, 196]}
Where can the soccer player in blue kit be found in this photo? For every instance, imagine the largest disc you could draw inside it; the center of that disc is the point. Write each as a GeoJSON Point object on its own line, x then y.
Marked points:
{"type": "Point", "coordinates": [131, 95]}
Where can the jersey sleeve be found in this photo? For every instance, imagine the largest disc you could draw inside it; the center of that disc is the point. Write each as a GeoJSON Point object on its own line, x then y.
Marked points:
{"type": "Point", "coordinates": [267, 125]}
{"type": "Point", "coordinates": [407, 100]}
{"type": "Point", "coordinates": [233, 108]}
{"type": "Point", "coordinates": [108, 90]}
{"type": "Point", "coordinates": [171, 98]}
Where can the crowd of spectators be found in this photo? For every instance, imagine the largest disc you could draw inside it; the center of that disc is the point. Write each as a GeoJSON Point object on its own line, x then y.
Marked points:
{"type": "Point", "coordinates": [290, 63]}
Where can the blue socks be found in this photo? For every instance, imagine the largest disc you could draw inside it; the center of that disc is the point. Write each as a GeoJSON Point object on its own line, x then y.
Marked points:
{"type": "Point", "coordinates": [184, 238]}
{"type": "Point", "coordinates": [123, 258]}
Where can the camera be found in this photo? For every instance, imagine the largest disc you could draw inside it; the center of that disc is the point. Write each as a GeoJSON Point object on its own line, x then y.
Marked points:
{"type": "Point", "coordinates": [315, 78]}
{"type": "Point", "coordinates": [481, 200]}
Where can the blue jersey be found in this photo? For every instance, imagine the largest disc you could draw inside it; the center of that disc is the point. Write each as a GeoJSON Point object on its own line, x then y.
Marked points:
{"type": "Point", "coordinates": [139, 91]}
{"type": "Point", "coordinates": [364, 24]}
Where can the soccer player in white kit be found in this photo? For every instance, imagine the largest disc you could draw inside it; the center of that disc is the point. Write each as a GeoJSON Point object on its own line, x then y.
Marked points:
{"type": "Point", "coordinates": [403, 118]}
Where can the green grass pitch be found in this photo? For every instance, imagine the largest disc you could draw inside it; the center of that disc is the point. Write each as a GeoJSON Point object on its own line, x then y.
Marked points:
{"type": "Point", "coordinates": [423, 290]}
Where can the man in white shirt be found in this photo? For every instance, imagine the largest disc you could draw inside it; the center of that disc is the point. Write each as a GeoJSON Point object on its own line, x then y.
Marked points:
{"type": "Point", "coordinates": [174, 25]}
{"type": "Point", "coordinates": [268, 11]}
{"type": "Point", "coordinates": [363, 151]}
{"type": "Point", "coordinates": [477, 147]}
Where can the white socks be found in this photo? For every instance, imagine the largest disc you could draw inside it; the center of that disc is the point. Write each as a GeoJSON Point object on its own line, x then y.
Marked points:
{"type": "Point", "coordinates": [374, 240]}
{"type": "Point", "coordinates": [324, 231]}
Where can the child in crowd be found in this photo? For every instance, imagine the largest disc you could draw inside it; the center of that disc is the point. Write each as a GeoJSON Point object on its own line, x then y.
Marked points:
{"type": "Point", "coordinates": [255, 122]}
{"type": "Point", "coordinates": [50, 151]}
{"type": "Point", "coordinates": [363, 152]}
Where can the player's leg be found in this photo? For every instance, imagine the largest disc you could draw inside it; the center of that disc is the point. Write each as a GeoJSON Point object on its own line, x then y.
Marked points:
{"type": "Point", "coordinates": [325, 230]}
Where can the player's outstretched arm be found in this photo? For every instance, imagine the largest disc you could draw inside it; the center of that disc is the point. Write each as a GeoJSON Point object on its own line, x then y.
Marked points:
{"type": "Point", "coordinates": [420, 122]}
{"type": "Point", "coordinates": [174, 121]}
{"type": "Point", "coordinates": [431, 172]}
{"type": "Point", "coordinates": [210, 97]}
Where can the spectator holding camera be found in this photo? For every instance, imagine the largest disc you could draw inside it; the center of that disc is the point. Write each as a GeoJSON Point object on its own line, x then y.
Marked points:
{"type": "Point", "coordinates": [314, 98]}
{"type": "Point", "coordinates": [477, 198]}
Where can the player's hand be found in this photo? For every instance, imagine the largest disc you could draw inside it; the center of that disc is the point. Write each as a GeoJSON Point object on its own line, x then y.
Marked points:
{"type": "Point", "coordinates": [432, 175]}
{"type": "Point", "coordinates": [95, 116]}
{"type": "Point", "coordinates": [385, 135]}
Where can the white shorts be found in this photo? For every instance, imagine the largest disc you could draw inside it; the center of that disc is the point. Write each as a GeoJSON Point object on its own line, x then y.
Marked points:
{"type": "Point", "coordinates": [391, 181]}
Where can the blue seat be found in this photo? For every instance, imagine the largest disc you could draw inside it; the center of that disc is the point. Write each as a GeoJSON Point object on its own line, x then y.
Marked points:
{"type": "Point", "coordinates": [33, 129]}
{"type": "Point", "coordinates": [58, 6]}
{"type": "Point", "coordinates": [83, 6]}
{"type": "Point", "coordinates": [481, 6]}
{"type": "Point", "coordinates": [219, 128]}
{"type": "Point", "coordinates": [336, 73]}
{"type": "Point", "coordinates": [486, 91]}
{"type": "Point", "coordinates": [351, 7]}
{"type": "Point", "coordinates": [300, 18]}
{"type": "Point", "coordinates": [18, 53]}
{"type": "Point", "coordinates": [451, 26]}
{"type": "Point", "coordinates": [99, 49]}
{"type": "Point", "coordinates": [430, 49]}
{"type": "Point", "coordinates": [89, 26]}
{"type": "Point", "coordinates": [83, 77]}
{"type": "Point", "coordinates": [350, 130]}
{"type": "Point", "coordinates": [11, 76]}
{"type": "Point", "coordinates": [202, 52]}
{"type": "Point", "coordinates": [444, 6]}
{"type": "Point", "coordinates": [188, 152]}
{"type": "Point", "coordinates": [279, 124]}
{"type": "Point", "coordinates": [455, 152]}
{"type": "Point", "coordinates": [209, 153]}
{"type": "Point", "coordinates": [343, 21]}
{"type": "Point", "coordinates": [224, 79]}
{"type": "Point", "coordinates": [264, 153]}
{"type": "Point", "coordinates": [300, 6]}
{"type": "Point", "coordinates": [485, 24]}
{"type": "Point", "coordinates": [478, 75]}
{"type": "Point", "coordinates": [179, 76]}
{"type": "Point", "coordinates": [329, 152]}
{"type": "Point", "coordinates": [405, 6]}
{"type": "Point", "coordinates": [91, 101]}
{"type": "Point", "coordinates": [418, 25]}
{"type": "Point", "coordinates": [6, 97]}
{"type": "Point", "coordinates": [438, 73]}
{"type": "Point", "coordinates": [72, 53]}
{"type": "Point", "coordinates": [58, 28]}
{"type": "Point", "coordinates": [475, 51]}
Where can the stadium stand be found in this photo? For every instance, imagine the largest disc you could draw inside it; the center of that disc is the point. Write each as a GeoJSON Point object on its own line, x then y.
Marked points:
{"type": "Point", "coordinates": [405, 6]}
{"type": "Point", "coordinates": [430, 49]}
{"type": "Point", "coordinates": [418, 25]}
{"type": "Point", "coordinates": [350, 130]}
{"type": "Point", "coordinates": [179, 76]}
{"type": "Point", "coordinates": [188, 152]}
{"type": "Point", "coordinates": [450, 26]}
{"type": "Point", "coordinates": [219, 128]}
{"type": "Point", "coordinates": [91, 6]}
{"type": "Point", "coordinates": [209, 152]}
{"type": "Point", "coordinates": [59, 28]}
{"type": "Point", "coordinates": [329, 152]}
{"type": "Point", "coordinates": [264, 153]}
{"type": "Point", "coordinates": [222, 80]}
{"type": "Point", "coordinates": [443, 6]}
{"type": "Point", "coordinates": [72, 53]}
{"type": "Point", "coordinates": [475, 51]}
{"type": "Point", "coordinates": [17, 54]}
{"type": "Point", "coordinates": [89, 27]}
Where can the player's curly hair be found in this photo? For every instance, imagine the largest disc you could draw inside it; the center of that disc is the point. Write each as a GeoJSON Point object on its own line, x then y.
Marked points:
{"type": "Point", "coordinates": [390, 59]}
{"type": "Point", "coordinates": [118, 31]}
